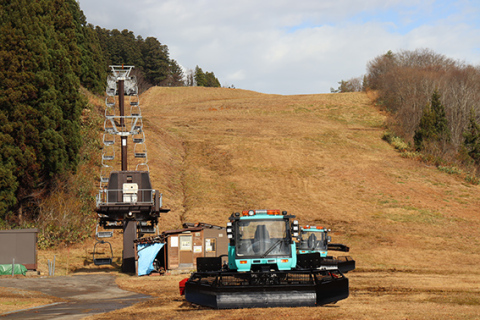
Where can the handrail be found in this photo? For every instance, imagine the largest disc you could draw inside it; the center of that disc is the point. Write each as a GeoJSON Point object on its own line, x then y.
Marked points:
{"type": "Point", "coordinates": [116, 196]}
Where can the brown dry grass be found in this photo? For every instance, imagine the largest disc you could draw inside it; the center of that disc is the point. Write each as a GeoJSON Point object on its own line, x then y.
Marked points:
{"type": "Point", "coordinates": [12, 299]}
{"type": "Point", "coordinates": [413, 230]}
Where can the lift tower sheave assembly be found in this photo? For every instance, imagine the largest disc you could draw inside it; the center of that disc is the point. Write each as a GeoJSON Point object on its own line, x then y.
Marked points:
{"type": "Point", "coordinates": [126, 199]}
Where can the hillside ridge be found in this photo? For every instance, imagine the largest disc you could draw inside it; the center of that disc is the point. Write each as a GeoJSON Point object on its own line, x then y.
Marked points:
{"type": "Point", "coordinates": [213, 151]}
{"type": "Point", "coordinates": [411, 228]}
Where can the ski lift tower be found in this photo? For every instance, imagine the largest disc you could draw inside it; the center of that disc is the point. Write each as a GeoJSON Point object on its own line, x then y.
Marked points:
{"type": "Point", "coordinates": [126, 199]}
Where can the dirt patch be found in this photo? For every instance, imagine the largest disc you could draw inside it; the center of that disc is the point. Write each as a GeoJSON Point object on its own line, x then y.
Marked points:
{"type": "Point", "coordinates": [14, 298]}
{"type": "Point", "coordinates": [74, 296]}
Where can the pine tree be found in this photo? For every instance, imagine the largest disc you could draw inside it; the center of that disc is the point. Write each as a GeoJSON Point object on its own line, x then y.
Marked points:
{"type": "Point", "coordinates": [441, 123]}
{"type": "Point", "coordinates": [211, 80]}
{"type": "Point", "coordinates": [39, 99]}
{"type": "Point", "coordinates": [156, 62]}
{"type": "Point", "coordinates": [176, 74]}
{"type": "Point", "coordinates": [91, 70]}
{"type": "Point", "coordinates": [199, 76]}
{"type": "Point", "coordinates": [426, 128]}
{"type": "Point", "coordinates": [433, 125]}
{"type": "Point", "coordinates": [23, 60]}
{"type": "Point", "coordinates": [471, 137]}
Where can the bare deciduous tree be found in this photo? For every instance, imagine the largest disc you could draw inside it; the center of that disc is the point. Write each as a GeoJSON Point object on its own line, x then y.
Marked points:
{"type": "Point", "coordinates": [406, 80]}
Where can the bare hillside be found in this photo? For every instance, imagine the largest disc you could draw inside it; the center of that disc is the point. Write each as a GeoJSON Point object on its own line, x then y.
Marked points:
{"type": "Point", "coordinates": [320, 157]}
{"type": "Point", "coordinates": [412, 229]}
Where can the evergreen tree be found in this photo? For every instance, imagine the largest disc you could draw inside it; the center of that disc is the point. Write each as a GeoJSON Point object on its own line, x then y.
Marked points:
{"type": "Point", "coordinates": [39, 99]}
{"type": "Point", "coordinates": [426, 128]}
{"type": "Point", "coordinates": [123, 48]}
{"type": "Point", "coordinates": [471, 137]}
{"type": "Point", "coordinates": [199, 77]}
{"type": "Point", "coordinates": [156, 62]}
{"type": "Point", "coordinates": [210, 80]}
{"type": "Point", "coordinates": [150, 58]}
{"type": "Point", "coordinates": [433, 125]}
{"type": "Point", "coordinates": [103, 36]}
{"type": "Point", "coordinates": [441, 123]}
{"type": "Point", "coordinates": [176, 74]}
{"type": "Point", "coordinates": [91, 69]}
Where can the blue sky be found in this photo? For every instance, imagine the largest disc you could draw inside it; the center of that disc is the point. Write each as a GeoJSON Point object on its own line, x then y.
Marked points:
{"type": "Point", "coordinates": [403, 19]}
{"type": "Point", "coordinates": [285, 47]}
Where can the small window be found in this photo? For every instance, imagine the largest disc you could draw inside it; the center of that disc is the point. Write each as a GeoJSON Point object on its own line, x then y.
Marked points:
{"type": "Point", "coordinates": [210, 245]}
{"type": "Point", "coordinates": [185, 243]}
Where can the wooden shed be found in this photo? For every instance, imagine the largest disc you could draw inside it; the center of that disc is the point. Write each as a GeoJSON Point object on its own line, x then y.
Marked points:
{"type": "Point", "coordinates": [184, 246]}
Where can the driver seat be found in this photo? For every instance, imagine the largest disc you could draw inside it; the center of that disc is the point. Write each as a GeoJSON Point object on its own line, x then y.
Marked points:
{"type": "Point", "coordinates": [312, 242]}
{"type": "Point", "coordinates": [261, 239]}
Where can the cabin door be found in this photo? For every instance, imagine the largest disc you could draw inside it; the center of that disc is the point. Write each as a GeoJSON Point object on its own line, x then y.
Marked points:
{"type": "Point", "coordinates": [186, 251]}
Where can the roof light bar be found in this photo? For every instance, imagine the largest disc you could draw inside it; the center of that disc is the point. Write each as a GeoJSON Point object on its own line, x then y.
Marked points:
{"type": "Point", "coordinates": [269, 212]}
{"type": "Point", "coordinates": [274, 212]}
{"type": "Point", "coordinates": [307, 227]}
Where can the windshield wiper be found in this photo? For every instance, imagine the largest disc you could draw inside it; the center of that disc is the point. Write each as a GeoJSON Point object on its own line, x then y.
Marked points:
{"type": "Point", "coordinates": [271, 248]}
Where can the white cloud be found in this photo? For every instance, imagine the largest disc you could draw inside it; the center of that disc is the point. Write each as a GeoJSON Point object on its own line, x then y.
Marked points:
{"type": "Point", "coordinates": [277, 46]}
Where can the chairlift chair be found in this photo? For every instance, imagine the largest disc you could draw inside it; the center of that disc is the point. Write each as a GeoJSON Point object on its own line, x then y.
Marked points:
{"type": "Point", "coordinates": [110, 111]}
{"type": "Point", "coordinates": [99, 236]}
{"type": "Point", "coordinates": [138, 125]}
{"type": "Point", "coordinates": [108, 139]}
{"type": "Point", "coordinates": [111, 92]}
{"type": "Point", "coordinates": [134, 100]}
{"type": "Point", "coordinates": [105, 173]}
{"type": "Point", "coordinates": [131, 87]}
{"type": "Point", "coordinates": [109, 127]}
{"type": "Point", "coordinates": [108, 152]}
{"type": "Point", "coordinates": [135, 110]}
{"type": "Point", "coordinates": [139, 137]}
{"type": "Point", "coordinates": [131, 90]}
{"type": "Point", "coordinates": [144, 166]}
{"type": "Point", "coordinates": [110, 101]}
{"type": "Point", "coordinates": [111, 86]}
{"type": "Point", "coordinates": [140, 150]}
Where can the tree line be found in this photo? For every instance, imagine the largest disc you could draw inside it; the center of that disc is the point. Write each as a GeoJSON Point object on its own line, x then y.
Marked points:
{"type": "Point", "coordinates": [153, 66]}
{"type": "Point", "coordinates": [43, 48]}
{"type": "Point", "coordinates": [201, 79]}
{"type": "Point", "coordinates": [433, 103]}
{"type": "Point", "coordinates": [48, 52]}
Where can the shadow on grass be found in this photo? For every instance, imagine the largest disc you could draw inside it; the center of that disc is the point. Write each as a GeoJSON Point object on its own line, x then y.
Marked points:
{"type": "Point", "coordinates": [90, 267]}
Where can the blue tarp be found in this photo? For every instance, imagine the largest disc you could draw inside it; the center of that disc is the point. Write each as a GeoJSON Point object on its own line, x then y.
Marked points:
{"type": "Point", "coordinates": [146, 254]}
